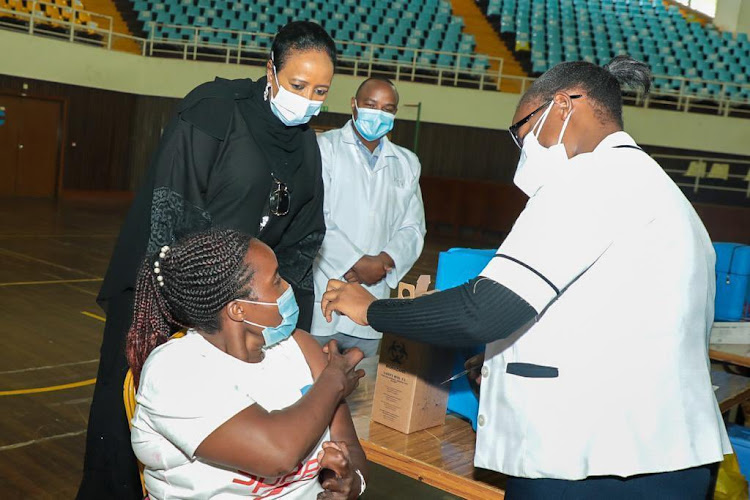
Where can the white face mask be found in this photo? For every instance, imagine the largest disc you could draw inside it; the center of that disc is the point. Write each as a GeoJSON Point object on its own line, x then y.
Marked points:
{"type": "Point", "coordinates": [292, 109]}
{"type": "Point", "coordinates": [538, 164]}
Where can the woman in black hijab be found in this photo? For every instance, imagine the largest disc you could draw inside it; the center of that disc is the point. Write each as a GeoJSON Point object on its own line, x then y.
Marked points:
{"type": "Point", "coordinates": [238, 155]}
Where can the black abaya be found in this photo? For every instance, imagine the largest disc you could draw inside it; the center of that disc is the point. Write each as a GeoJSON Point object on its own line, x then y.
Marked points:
{"type": "Point", "coordinates": [215, 167]}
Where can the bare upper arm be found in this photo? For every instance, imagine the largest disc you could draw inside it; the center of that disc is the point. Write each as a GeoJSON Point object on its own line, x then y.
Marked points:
{"type": "Point", "coordinates": [313, 352]}
{"type": "Point", "coordinates": [249, 440]}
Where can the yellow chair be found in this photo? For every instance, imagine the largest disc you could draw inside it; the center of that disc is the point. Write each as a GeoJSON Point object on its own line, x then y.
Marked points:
{"type": "Point", "coordinates": [719, 171]}
{"type": "Point", "coordinates": [697, 169]}
{"type": "Point", "coordinates": [128, 397]}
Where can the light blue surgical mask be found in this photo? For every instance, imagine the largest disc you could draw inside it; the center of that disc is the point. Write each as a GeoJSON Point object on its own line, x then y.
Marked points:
{"type": "Point", "coordinates": [292, 109]}
{"type": "Point", "coordinates": [289, 311]}
{"type": "Point", "coordinates": [372, 124]}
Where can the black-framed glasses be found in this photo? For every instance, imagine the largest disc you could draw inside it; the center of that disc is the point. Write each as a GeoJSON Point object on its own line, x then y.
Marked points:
{"type": "Point", "coordinates": [279, 199]}
{"type": "Point", "coordinates": [513, 129]}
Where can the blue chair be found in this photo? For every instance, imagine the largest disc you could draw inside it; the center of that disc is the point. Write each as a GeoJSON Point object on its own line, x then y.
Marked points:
{"type": "Point", "coordinates": [446, 60]}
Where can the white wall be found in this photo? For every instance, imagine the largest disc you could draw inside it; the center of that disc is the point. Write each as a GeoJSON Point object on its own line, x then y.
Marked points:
{"type": "Point", "coordinates": [53, 60]}
{"type": "Point", "coordinates": [733, 15]}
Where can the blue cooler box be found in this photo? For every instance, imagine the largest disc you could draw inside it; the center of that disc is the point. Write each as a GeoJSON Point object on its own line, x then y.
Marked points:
{"type": "Point", "coordinates": [732, 281]}
{"type": "Point", "coordinates": [456, 267]}
{"type": "Point", "coordinates": [739, 436]}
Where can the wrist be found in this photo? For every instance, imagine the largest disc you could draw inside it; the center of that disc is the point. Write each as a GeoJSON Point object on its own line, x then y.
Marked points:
{"type": "Point", "coordinates": [359, 485]}
{"type": "Point", "coordinates": [333, 380]}
{"type": "Point", "coordinates": [387, 260]}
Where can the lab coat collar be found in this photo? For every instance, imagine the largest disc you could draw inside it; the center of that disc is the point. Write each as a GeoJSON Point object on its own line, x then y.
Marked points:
{"type": "Point", "coordinates": [620, 138]}
{"type": "Point", "coordinates": [614, 139]}
{"type": "Point", "coordinates": [386, 148]}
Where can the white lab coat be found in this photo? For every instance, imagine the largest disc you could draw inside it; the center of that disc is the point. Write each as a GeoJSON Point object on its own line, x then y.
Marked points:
{"type": "Point", "coordinates": [366, 211]}
{"type": "Point", "coordinates": [622, 270]}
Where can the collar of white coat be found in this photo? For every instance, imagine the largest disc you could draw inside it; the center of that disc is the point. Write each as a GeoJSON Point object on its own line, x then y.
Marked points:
{"type": "Point", "coordinates": [620, 138]}
{"type": "Point", "coordinates": [349, 137]}
{"type": "Point", "coordinates": [613, 140]}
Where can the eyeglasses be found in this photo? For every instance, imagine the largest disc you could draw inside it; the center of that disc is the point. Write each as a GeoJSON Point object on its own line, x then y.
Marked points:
{"type": "Point", "coordinates": [513, 129]}
{"type": "Point", "coordinates": [279, 199]}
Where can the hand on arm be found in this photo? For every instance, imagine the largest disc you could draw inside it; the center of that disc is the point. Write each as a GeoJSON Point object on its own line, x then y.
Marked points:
{"type": "Point", "coordinates": [272, 443]}
{"type": "Point", "coordinates": [343, 455]}
{"type": "Point", "coordinates": [339, 477]}
{"type": "Point", "coordinates": [349, 299]}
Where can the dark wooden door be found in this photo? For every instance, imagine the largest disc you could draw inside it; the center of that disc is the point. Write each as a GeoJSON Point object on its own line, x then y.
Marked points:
{"type": "Point", "coordinates": [9, 135]}
{"type": "Point", "coordinates": [30, 146]}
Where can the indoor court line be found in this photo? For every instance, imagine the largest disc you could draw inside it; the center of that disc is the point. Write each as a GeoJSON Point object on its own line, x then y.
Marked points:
{"type": "Point", "coordinates": [101, 235]}
{"type": "Point", "coordinates": [51, 282]}
{"type": "Point", "coordinates": [41, 440]}
{"type": "Point", "coordinates": [34, 259]}
{"type": "Point", "coordinates": [95, 316]}
{"type": "Point", "coordinates": [51, 388]}
{"type": "Point", "coordinates": [82, 290]}
{"type": "Point", "coordinates": [47, 367]}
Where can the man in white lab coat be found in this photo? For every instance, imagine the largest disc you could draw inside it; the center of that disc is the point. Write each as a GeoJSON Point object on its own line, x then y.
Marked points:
{"type": "Point", "coordinates": [373, 210]}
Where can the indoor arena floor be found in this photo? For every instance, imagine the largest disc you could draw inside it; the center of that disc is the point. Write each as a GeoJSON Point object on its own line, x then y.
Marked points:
{"type": "Point", "coordinates": [52, 260]}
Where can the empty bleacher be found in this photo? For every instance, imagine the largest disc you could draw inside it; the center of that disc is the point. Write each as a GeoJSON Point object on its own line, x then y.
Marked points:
{"type": "Point", "coordinates": [689, 58]}
{"type": "Point", "coordinates": [51, 14]}
{"type": "Point", "coordinates": [424, 32]}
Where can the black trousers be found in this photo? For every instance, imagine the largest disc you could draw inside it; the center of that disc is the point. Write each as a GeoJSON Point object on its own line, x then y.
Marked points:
{"type": "Point", "coordinates": [688, 484]}
{"type": "Point", "coordinates": [110, 469]}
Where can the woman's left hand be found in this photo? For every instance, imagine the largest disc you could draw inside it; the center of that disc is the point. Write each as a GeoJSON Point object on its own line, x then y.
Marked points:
{"type": "Point", "coordinates": [338, 478]}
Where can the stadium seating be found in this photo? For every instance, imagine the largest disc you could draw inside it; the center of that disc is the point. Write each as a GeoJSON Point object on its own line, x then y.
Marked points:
{"type": "Point", "coordinates": [400, 27]}
{"type": "Point", "coordinates": [50, 13]}
{"type": "Point", "coordinates": [596, 30]}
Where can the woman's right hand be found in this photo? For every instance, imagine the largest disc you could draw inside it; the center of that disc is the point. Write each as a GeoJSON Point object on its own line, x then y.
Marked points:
{"type": "Point", "coordinates": [349, 299]}
{"type": "Point", "coordinates": [342, 366]}
{"type": "Point", "coordinates": [474, 365]}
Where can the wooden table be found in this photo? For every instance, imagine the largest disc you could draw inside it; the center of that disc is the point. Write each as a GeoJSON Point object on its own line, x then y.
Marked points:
{"type": "Point", "coordinates": [443, 456]}
{"type": "Point", "coordinates": [736, 354]}
{"type": "Point", "coordinates": [730, 343]}
{"type": "Point", "coordinates": [733, 389]}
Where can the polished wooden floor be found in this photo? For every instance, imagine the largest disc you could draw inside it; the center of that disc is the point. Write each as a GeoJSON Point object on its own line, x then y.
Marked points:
{"type": "Point", "coordinates": [52, 259]}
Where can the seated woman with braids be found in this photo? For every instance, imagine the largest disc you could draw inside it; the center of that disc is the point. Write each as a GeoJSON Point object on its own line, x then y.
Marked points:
{"type": "Point", "coordinates": [243, 405]}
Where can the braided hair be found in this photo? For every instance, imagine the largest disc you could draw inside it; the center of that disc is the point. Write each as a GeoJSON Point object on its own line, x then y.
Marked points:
{"type": "Point", "coordinates": [186, 286]}
{"type": "Point", "coordinates": [602, 86]}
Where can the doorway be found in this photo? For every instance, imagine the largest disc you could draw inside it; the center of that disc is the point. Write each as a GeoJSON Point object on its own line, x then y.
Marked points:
{"type": "Point", "coordinates": [30, 140]}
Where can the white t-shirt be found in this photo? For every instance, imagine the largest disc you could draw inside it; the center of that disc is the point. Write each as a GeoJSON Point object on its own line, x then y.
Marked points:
{"type": "Point", "coordinates": [188, 389]}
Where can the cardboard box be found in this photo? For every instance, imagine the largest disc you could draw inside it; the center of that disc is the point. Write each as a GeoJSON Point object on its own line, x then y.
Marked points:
{"type": "Point", "coordinates": [408, 393]}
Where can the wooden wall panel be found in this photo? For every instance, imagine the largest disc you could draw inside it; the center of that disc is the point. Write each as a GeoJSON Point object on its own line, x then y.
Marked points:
{"type": "Point", "coordinates": [99, 124]}
{"type": "Point", "coordinates": [450, 150]}
{"type": "Point", "coordinates": [116, 134]}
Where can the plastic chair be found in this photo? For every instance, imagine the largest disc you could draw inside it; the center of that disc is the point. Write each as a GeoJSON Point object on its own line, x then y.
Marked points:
{"type": "Point", "coordinates": [719, 171]}
{"type": "Point", "coordinates": [696, 169]}
{"type": "Point", "coordinates": [128, 399]}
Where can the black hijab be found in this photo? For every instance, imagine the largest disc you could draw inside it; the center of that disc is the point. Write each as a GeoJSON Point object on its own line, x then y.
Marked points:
{"type": "Point", "coordinates": [282, 145]}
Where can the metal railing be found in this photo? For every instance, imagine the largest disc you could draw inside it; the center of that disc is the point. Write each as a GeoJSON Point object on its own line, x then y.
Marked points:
{"type": "Point", "coordinates": [696, 180]}
{"type": "Point", "coordinates": [80, 20]}
{"type": "Point", "coordinates": [252, 48]}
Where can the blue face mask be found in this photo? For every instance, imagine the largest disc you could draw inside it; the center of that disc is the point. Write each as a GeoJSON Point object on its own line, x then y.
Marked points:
{"type": "Point", "coordinates": [372, 124]}
{"type": "Point", "coordinates": [289, 311]}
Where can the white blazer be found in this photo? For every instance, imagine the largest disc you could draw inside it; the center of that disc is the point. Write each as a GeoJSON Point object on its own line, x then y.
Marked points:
{"type": "Point", "coordinates": [614, 376]}
{"type": "Point", "coordinates": [367, 211]}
